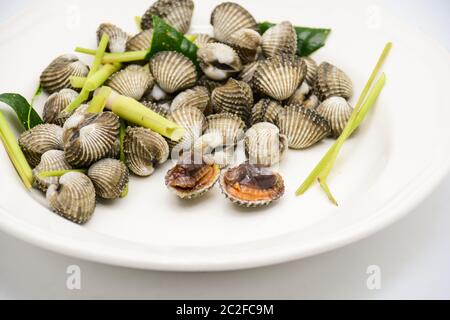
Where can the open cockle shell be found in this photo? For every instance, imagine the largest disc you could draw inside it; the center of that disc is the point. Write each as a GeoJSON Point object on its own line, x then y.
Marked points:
{"type": "Point", "coordinates": [300, 95]}
{"type": "Point", "coordinates": [140, 41]}
{"type": "Point", "coordinates": [250, 185]}
{"type": "Point", "coordinates": [337, 111]}
{"type": "Point", "coordinates": [218, 61]}
{"type": "Point", "coordinates": [40, 139]}
{"type": "Point", "coordinates": [246, 42]}
{"type": "Point", "coordinates": [52, 160]}
{"type": "Point", "coordinates": [144, 149]}
{"type": "Point", "coordinates": [279, 39]}
{"type": "Point", "coordinates": [332, 82]}
{"type": "Point", "coordinates": [56, 103]}
{"type": "Point", "coordinates": [57, 74]}
{"type": "Point", "coordinates": [73, 198]}
{"type": "Point", "coordinates": [177, 13]}
{"type": "Point", "coordinates": [133, 81]}
{"type": "Point", "coordinates": [117, 37]}
{"type": "Point", "coordinates": [172, 71]}
{"type": "Point", "coordinates": [266, 110]}
{"type": "Point", "coordinates": [110, 177]}
{"type": "Point", "coordinates": [303, 127]}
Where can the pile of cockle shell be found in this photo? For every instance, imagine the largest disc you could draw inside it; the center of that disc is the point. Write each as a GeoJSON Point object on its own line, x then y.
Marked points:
{"type": "Point", "coordinates": [252, 87]}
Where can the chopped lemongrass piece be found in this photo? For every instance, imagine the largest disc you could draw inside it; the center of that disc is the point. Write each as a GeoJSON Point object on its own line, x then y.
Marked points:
{"type": "Point", "coordinates": [98, 103]}
{"type": "Point", "coordinates": [138, 20]}
{"type": "Point", "coordinates": [59, 173]}
{"type": "Point", "coordinates": [191, 37]}
{"type": "Point", "coordinates": [77, 82]}
{"type": "Point", "coordinates": [99, 54]}
{"type": "Point", "coordinates": [15, 153]}
{"type": "Point", "coordinates": [129, 56]}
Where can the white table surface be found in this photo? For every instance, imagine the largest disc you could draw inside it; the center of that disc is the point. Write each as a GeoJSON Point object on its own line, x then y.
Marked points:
{"type": "Point", "coordinates": [413, 254]}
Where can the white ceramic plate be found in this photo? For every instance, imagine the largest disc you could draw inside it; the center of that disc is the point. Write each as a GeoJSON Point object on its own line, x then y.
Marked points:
{"type": "Point", "coordinates": [396, 159]}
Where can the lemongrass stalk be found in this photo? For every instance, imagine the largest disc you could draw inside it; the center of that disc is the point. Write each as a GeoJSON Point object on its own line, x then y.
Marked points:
{"type": "Point", "coordinates": [128, 56]}
{"type": "Point", "coordinates": [15, 153]}
{"type": "Point", "coordinates": [91, 52]}
{"type": "Point", "coordinates": [99, 54]}
{"type": "Point", "coordinates": [191, 37]}
{"type": "Point", "coordinates": [98, 103]}
{"type": "Point", "coordinates": [59, 173]}
{"type": "Point", "coordinates": [82, 97]}
{"type": "Point", "coordinates": [77, 82]}
{"type": "Point", "coordinates": [138, 22]}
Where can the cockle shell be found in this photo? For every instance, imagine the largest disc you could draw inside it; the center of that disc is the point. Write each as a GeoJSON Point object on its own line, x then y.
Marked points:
{"type": "Point", "coordinates": [229, 17]}
{"type": "Point", "coordinates": [89, 137]}
{"type": "Point", "coordinates": [144, 149]}
{"type": "Point", "coordinates": [193, 176]}
{"type": "Point", "coordinates": [337, 111]}
{"type": "Point", "coordinates": [264, 144]}
{"type": "Point", "coordinates": [117, 37]}
{"type": "Point", "coordinates": [133, 81]}
{"type": "Point", "coordinates": [56, 103]}
{"type": "Point", "coordinates": [311, 72]}
{"type": "Point", "coordinates": [312, 102]}
{"type": "Point", "coordinates": [278, 77]}
{"type": "Point", "coordinates": [332, 81]}
{"type": "Point", "coordinates": [300, 95]}
{"type": "Point", "coordinates": [140, 41]}
{"type": "Point", "coordinates": [209, 84]}
{"type": "Point", "coordinates": [197, 97]}
{"type": "Point", "coordinates": [110, 177]}
{"type": "Point", "coordinates": [235, 97]}
{"type": "Point", "coordinates": [177, 13]}
{"type": "Point", "coordinates": [202, 39]}
{"type": "Point", "coordinates": [266, 110]}
{"type": "Point", "coordinates": [56, 76]}
{"type": "Point", "coordinates": [40, 139]}
{"type": "Point", "coordinates": [303, 127]}
{"type": "Point", "coordinates": [52, 160]}
{"type": "Point", "coordinates": [246, 42]}
{"type": "Point", "coordinates": [162, 108]}
{"type": "Point", "coordinates": [251, 185]}
{"type": "Point", "coordinates": [73, 198]}
{"type": "Point", "coordinates": [218, 61]}
{"type": "Point", "coordinates": [279, 39]}
{"type": "Point", "coordinates": [224, 129]}
{"type": "Point", "coordinates": [248, 72]}
{"type": "Point", "coordinates": [173, 71]}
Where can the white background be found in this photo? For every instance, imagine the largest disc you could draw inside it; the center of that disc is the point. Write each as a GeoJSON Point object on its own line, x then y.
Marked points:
{"type": "Point", "coordinates": [413, 254]}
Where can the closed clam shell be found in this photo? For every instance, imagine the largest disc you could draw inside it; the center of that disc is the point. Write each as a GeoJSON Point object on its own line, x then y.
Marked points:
{"type": "Point", "coordinates": [73, 198]}
{"type": "Point", "coordinates": [193, 121]}
{"type": "Point", "coordinates": [226, 128]}
{"type": "Point", "coordinates": [311, 72]}
{"type": "Point", "coordinates": [52, 160]}
{"type": "Point", "coordinates": [300, 95]}
{"type": "Point", "coordinates": [202, 39]}
{"type": "Point", "coordinates": [40, 139]}
{"type": "Point", "coordinates": [219, 61]}
{"type": "Point", "coordinates": [56, 76]}
{"type": "Point", "coordinates": [173, 71]}
{"type": "Point", "coordinates": [278, 77]}
{"type": "Point", "coordinates": [197, 97]}
{"type": "Point", "coordinates": [117, 37]}
{"type": "Point", "coordinates": [143, 150]}
{"type": "Point", "coordinates": [133, 81]}
{"type": "Point", "coordinates": [193, 176]}
{"type": "Point", "coordinates": [332, 81]}
{"type": "Point", "coordinates": [266, 110]}
{"type": "Point", "coordinates": [235, 97]}
{"type": "Point", "coordinates": [110, 177]}
{"type": "Point", "coordinates": [140, 41]}
{"type": "Point", "coordinates": [303, 127]}
{"type": "Point", "coordinates": [264, 144]}
{"type": "Point", "coordinates": [89, 137]}
{"type": "Point", "coordinates": [337, 111]}
{"type": "Point", "coordinates": [246, 42]}
{"type": "Point", "coordinates": [279, 39]}
{"type": "Point", "coordinates": [162, 108]}
{"type": "Point", "coordinates": [56, 103]}
{"type": "Point", "coordinates": [251, 185]}
{"type": "Point", "coordinates": [229, 17]}
{"type": "Point", "coordinates": [177, 13]}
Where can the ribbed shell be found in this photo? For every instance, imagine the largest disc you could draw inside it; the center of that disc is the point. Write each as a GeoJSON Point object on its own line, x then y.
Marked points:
{"type": "Point", "coordinates": [278, 77]}
{"type": "Point", "coordinates": [235, 97]}
{"type": "Point", "coordinates": [117, 37]}
{"type": "Point", "coordinates": [300, 95]}
{"type": "Point", "coordinates": [229, 17]}
{"type": "Point", "coordinates": [246, 42]}
{"type": "Point", "coordinates": [256, 196]}
{"type": "Point", "coordinates": [141, 41]}
{"type": "Point", "coordinates": [160, 108]}
{"type": "Point", "coordinates": [218, 61]}
{"type": "Point", "coordinates": [52, 160]}
{"type": "Point", "coordinates": [173, 71]}
{"type": "Point", "coordinates": [177, 13]}
{"type": "Point", "coordinates": [193, 121]}
{"type": "Point", "coordinates": [209, 84]}
{"type": "Point", "coordinates": [266, 110]}
{"type": "Point", "coordinates": [89, 137]}
{"type": "Point", "coordinates": [279, 39]}
{"type": "Point", "coordinates": [264, 144]}
{"type": "Point", "coordinates": [197, 97]}
{"type": "Point", "coordinates": [73, 198]}
{"type": "Point", "coordinates": [312, 102]}
{"type": "Point", "coordinates": [202, 39]}
{"type": "Point", "coordinates": [303, 127]}
{"type": "Point", "coordinates": [332, 81]}
{"type": "Point", "coordinates": [56, 103]}
{"type": "Point", "coordinates": [133, 81]}
{"type": "Point", "coordinates": [110, 177]}
{"type": "Point", "coordinates": [337, 111]}
{"type": "Point", "coordinates": [248, 72]}
{"type": "Point", "coordinates": [143, 150]}
{"type": "Point", "coordinates": [229, 128]}
{"type": "Point", "coordinates": [40, 139]}
{"type": "Point", "coordinates": [311, 72]}
{"type": "Point", "coordinates": [56, 76]}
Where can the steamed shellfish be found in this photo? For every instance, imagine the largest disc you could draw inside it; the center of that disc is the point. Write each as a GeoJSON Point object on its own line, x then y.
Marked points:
{"type": "Point", "coordinates": [332, 81]}
{"type": "Point", "coordinates": [218, 61]}
{"type": "Point", "coordinates": [110, 177]}
{"type": "Point", "coordinates": [52, 160]}
{"type": "Point", "coordinates": [177, 13]}
{"type": "Point", "coordinates": [279, 39]}
{"type": "Point", "coordinates": [266, 110]}
{"type": "Point", "coordinates": [117, 37]}
{"type": "Point", "coordinates": [337, 111]}
{"type": "Point", "coordinates": [133, 81]}
{"type": "Point", "coordinates": [55, 104]}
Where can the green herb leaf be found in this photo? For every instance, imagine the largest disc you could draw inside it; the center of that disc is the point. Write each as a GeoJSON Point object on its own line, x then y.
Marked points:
{"type": "Point", "coordinates": [309, 40]}
{"type": "Point", "coordinates": [25, 112]}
